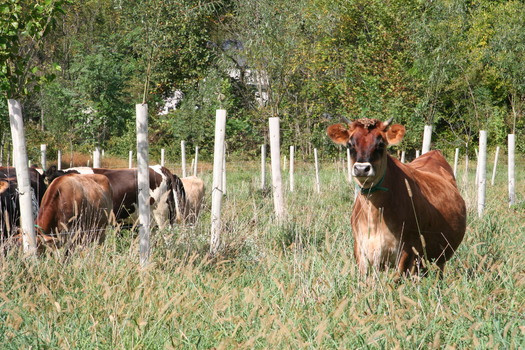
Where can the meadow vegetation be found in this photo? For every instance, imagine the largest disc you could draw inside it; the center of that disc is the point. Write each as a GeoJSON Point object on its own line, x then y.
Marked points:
{"type": "Point", "coordinates": [293, 285]}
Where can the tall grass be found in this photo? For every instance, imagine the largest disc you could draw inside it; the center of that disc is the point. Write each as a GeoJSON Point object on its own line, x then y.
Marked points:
{"type": "Point", "coordinates": [293, 285]}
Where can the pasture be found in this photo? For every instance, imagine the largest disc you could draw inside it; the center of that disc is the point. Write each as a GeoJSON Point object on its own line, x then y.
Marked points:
{"type": "Point", "coordinates": [293, 285]}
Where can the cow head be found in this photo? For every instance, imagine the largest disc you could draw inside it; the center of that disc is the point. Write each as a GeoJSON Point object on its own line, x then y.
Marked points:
{"type": "Point", "coordinates": [367, 140]}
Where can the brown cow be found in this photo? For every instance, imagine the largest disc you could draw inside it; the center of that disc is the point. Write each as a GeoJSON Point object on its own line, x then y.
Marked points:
{"type": "Point", "coordinates": [194, 188]}
{"type": "Point", "coordinates": [77, 208]}
{"type": "Point", "coordinates": [163, 186]}
{"type": "Point", "coordinates": [404, 212]}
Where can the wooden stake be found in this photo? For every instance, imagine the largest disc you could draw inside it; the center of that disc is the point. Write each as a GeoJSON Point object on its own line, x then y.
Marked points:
{"type": "Point", "coordinates": [317, 182]}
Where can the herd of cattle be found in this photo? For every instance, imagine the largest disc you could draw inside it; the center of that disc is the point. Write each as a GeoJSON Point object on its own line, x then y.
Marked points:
{"type": "Point", "coordinates": [78, 204]}
{"type": "Point", "coordinates": [404, 214]}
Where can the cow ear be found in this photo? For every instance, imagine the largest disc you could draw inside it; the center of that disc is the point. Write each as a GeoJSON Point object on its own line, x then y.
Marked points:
{"type": "Point", "coordinates": [395, 134]}
{"type": "Point", "coordinates": [339, 133]}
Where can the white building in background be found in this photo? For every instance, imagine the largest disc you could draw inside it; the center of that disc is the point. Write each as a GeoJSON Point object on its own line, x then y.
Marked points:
{"type": "Point", "coordinates": [171, 103]}
{"type": "Point", "coordinates": [259, 81]}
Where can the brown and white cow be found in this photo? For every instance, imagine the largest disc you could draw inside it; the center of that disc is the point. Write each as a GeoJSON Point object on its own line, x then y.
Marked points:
{"type": "Point", "coordinates": [9, 205]}
{"type": "Point", "coordinates": [77, 208]}
{"type": "Point", "coordinates": [194, 188]}
{"type": "Point", "coordinates": [35, 177]}
{"type": "Point", "coordinates": [404, 212]}
{"type": "Point", "coordinates": [163, 184]}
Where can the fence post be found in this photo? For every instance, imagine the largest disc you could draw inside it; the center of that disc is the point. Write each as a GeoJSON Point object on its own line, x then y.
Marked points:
{"type": "Point", "coordinates": [162, 156]}
{"type": "Point", "coordinates": [292, 165]}
{"type": "Point", "coordinates": [403, 155]}
{"type": "Point", "coordinates": [195, 165]}
{"type": "Point", "coordinates": [96, 157]}
{"type": "Point", "coordinates": [263, 166]}
{"type": "Point", "coordinates": [349, 165]}
{"type": "Point", "coordinates": [24, 185]}
{"type": "Point", "coordinates": [59, 160]}
{"type": "Point", "coordinates": [216, 193]}
{"type": "Point", "coordinates": [317, 182]}
{"type": "Point", "coordinates": [223, 182]}
{"type": "Point", "coordinates": [511, 169]}
{"type": "Point", "coordinates": [143, 182]}
{"type": "Point", "coordinates": [465, 174]}
{"type": "Point", "coordinates": [494, 167]}
{"type": "Point", "coordinates": [277, 186]}
{"type": "Point", "coordinates": [43, 161]}
{"type": "Point", "coordinates": [183, 157]}
{"type": "Point", "coordinates": [456, 159]}
{"type": "Point", "coordinates": [427, 139]}
{"type": "Point", "coordinates": [482, 171]}
{"type": "Point", "coordinates": [477, 166]}
{"type": "Point", "coordinates": [130, 159]}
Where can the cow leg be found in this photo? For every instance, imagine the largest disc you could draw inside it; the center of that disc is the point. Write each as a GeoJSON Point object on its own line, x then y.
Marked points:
{"type": "Point", "coordinates": [406, 265]}
{"type": "Point", "coordinates": [362, 264]}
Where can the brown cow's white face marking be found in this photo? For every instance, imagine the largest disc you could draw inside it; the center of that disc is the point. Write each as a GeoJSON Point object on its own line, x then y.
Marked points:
{"type": "Point", "coordinates": [367, 140]}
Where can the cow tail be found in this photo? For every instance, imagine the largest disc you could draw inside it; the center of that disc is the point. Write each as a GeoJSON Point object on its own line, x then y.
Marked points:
{"type": "Point", "coordinates": [180, 197]}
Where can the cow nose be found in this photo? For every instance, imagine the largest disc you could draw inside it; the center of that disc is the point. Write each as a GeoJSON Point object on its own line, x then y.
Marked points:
{"type": "Point", "coordinates": [363, 169]}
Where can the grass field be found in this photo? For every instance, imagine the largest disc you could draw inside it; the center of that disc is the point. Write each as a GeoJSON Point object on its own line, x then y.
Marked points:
{"type": "Point", "coordinates": [293, 285]}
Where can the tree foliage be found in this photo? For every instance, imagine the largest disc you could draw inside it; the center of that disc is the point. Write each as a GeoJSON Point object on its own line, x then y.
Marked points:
{"type": "Point", "coordinates": [456, 64]}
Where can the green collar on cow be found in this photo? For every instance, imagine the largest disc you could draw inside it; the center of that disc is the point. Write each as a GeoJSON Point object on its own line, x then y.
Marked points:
{"type": "Point", "coordinates": [376, 187]}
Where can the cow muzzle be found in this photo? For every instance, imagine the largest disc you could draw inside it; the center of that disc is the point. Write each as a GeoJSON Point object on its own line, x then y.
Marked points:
{"type": "Point", "coordinates": [363, 170]}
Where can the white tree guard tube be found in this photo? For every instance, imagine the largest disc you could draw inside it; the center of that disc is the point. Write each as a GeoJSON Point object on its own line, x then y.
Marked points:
{"type": "Point", "coordinates": [427, 139]}
{"type": "Point", "coordinates": [183, 157]}
{"type": "Point", "coordinates": [143, 182]}
{"type": "Point", "coordinates": [482, 171]}
{"type": "Point", "coordinates": [275, 152]}
{"type": "Point", "coordinates": [263, 167]}
{"type": "Point", "coordinates": [292, 165]}
{"type": "Point", "coordinates": [24, 185]}
{"type": "Point", "coordinates": [511, 169]}
{"type": "Point", "coordinates": [494, 167]}
{"type": "Point", "coordinates": [456, 159]}
{"type": "Point", "coordinates": [216, 193]}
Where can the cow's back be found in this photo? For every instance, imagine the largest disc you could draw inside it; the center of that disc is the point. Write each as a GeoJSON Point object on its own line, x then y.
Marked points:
{"type": "Point", "coordinates": [194, 188]}
{"type": "Point", "coordinates": [433, 162]}
{"type": "Point", "coordinates": [78, 204]}
{"type": "Point", "coordinates": [440, 208]}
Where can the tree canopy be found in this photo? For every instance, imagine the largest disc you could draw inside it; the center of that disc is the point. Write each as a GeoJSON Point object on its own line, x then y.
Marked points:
{"type": "Point", "coordinates": [79, 67]}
